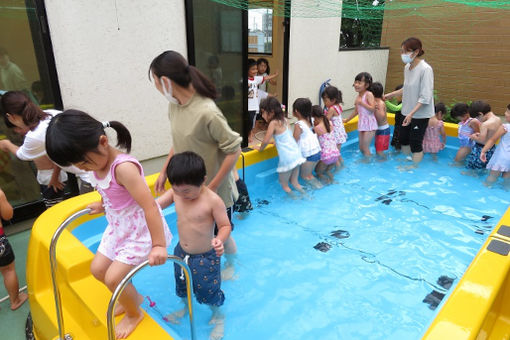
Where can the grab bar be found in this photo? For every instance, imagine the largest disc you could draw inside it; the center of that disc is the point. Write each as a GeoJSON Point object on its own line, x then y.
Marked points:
{"type": "Point", "coordinates": [53, 266]}
{"type": "Point", "coordinates": [125, 281]}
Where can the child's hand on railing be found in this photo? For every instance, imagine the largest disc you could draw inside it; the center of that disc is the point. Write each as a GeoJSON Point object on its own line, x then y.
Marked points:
{"type": "Point", "coordinates": [158, 255]}
{"type": "Point", "coordinates": [96, 208]}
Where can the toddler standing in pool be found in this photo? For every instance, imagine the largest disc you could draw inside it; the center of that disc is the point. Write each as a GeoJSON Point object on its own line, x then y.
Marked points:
{"type": "Point", "coordinates": [136, 228]}
{"type": "Point", "coordinates": [197, 208]}
{"type": "Point", "coordinates": [364, 106]}
{"type": "Point", "coordinates": [306, 139]}
{"type": "Point", "coordinates": [289, 155]}
{"type": "Point", "coordinates": [467, 126]}
{"type": "Point", "coordinates": [332, 99]}
{"type": "Point", "coordinates": [329, 151]}
{"type": "Point", "coordinates": [500, 160]}
{"type": "Point", "coordinates": [432, 142]}
{"type": "Point", "coordinates": [382, 135]}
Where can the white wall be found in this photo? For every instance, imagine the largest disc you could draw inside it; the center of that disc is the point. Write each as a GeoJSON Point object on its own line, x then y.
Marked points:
{"type": "Point", "coordinates": [103, 50]}
{"type": "Point", "coordinates": [314, 57]}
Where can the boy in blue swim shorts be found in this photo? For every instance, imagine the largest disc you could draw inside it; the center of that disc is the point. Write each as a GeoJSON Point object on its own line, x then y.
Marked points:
{"type": "Point", "coordinates": [198, 209]}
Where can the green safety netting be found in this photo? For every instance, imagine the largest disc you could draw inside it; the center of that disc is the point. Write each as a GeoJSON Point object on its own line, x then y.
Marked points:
{"type": "Point", "coordinates": [358, 9]}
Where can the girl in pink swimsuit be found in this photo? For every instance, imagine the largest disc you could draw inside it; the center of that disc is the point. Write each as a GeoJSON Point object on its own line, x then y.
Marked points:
{"type": "Point", "coordinates": [332, 99]}
{"type": "Point", "coordinates": [364, 106]}
{"type": "Point", "coordinates": [136, 228]}
{"type": "Point", "coordinates": [435, 135]}
{"type": "Point", "coordinates": [329, 152]}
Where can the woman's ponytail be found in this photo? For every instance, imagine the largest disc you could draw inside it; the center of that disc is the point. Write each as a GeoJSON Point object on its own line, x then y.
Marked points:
{"type": "Point", "coordinates": [174, 66]}
{"type": "Point", "coordinates": [201, 83]}
{"type": "Point", "coordinates": [18, 103]}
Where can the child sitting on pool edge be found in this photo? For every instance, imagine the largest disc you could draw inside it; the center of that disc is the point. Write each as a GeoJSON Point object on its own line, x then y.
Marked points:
{"type": "Point", "coordinates": [197, 208]}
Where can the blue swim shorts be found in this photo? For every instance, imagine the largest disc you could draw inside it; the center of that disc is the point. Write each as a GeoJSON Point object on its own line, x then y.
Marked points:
{"type": "Point", "coordinates": [206, 274]}
{"type": "Point", "coordinates": [314, 158]}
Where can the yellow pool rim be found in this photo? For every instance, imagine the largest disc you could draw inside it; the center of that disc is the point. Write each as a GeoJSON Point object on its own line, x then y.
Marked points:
{"type": "Point", "coordinates": [473, 311]}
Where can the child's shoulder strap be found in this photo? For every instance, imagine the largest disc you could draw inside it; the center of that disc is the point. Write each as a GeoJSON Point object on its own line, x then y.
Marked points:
{"type": "Point", "coordinates": [123, 158]}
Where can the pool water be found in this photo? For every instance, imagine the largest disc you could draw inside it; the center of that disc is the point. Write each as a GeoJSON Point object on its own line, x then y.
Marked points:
{"type": "Point", "coordinates": [353, 260]}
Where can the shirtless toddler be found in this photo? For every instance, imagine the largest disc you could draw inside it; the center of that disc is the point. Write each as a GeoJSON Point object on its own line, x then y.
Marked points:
{"type": "Point", "coordinates": [197, 208]}
{"type": "Point", "coordinates": [490, 124]}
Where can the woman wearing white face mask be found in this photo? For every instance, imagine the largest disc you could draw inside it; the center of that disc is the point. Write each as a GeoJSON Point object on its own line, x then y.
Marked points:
{"type": "Point", "coordinates": [417, 98]}
{"type": "Point", "coordinates": [197, 125]}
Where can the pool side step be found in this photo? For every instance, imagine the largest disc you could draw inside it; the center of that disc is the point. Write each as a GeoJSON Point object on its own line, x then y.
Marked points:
{"type": "Point", "coordinates": [266, 176]}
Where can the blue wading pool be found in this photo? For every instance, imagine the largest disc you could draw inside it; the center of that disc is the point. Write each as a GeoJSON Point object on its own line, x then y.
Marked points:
{"type": "Point", "coordinates": [369, 257]}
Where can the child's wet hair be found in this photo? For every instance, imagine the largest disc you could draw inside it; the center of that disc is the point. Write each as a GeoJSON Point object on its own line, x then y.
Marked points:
{"type": "Point", "coordinates": [459, 109]}
{"type": "Point", "coordinates": [479, 106]}
{"type": "Point", "coordinates": [317, 112]}
{"type": "Point", "coordinates": [304, 107]}
{"type": "Point", "coordinates": [272, 105]}
{"type": "Point", "coordinates": [265, 61]}
{"type": "Point", "coordinates": [365, 77]}
{"type": "Point", "coordinates": [186, 168]}
{"type": "Point", "coordinates": [73, 133]}
{"type": "Point", "coordinates": [333, 93]}
{"type": "Point", "coordinates": [440, 107]}
{"type": "Point", "coordinates": [377, 90]}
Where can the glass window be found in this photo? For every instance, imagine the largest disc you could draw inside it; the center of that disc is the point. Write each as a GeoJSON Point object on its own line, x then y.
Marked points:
{"type": "Point", "coordinates": [219, 54]}
{"type": "Point", "coordinates": [23, 67]}
{"type": "Point", "coordinates": [260, 30]}
{"type": "Point", "coordinates": [362, 22]}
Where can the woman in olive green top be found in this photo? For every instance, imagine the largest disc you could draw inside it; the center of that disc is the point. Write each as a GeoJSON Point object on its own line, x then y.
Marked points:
{"type": "Point", "coordinates": [198, 125]}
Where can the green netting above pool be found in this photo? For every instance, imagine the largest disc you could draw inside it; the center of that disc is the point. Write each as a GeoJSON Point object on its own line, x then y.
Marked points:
{"type": "Point", "coordinates": [362, 9]}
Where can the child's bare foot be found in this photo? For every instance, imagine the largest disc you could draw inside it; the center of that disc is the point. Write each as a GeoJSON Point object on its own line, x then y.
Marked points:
{"type": "Point", "coordinates": [176, 316]}
{"type": "Point", "coordinates": [300, 189]}
{"type": "Point", "coordinates": [227, 273]}
{"type": "Point", "coordinates": [119, 308]}
{"type": "Point", "coordinates": [314, 183]}
{"type": "Point", "coordinates": [218, 330]}
{"type": "Point", "coordinates": [127, 325]}
{"type": "Point", "coordinates": [22, 297]}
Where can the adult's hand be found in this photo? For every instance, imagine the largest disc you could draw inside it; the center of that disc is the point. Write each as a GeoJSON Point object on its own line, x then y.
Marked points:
{"type": "Point", "coordinates": [159, 186]}
{"type": "Point", "coordinates": [407, 120]}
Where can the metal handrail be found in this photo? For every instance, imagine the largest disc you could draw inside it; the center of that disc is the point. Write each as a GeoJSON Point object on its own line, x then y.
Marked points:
{"type": "Point", "coordinates": [125, 281]}
{"type": "Point", "coordinates": [53, 266]}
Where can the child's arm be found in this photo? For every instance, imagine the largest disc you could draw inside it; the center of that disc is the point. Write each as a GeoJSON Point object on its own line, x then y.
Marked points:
{"type": "Point", "coordinates": [353, 114]}
{"type": "Point", "coordinates": [268, 136]}
{"type": "Point", "coordinates": [392, 107]}
{"type": "Point", "coordinates": [166, 199]}
{"type": "Point", "coordinates": [442, 131]}
{"type": "Point", "coordinates": [481, 136]}
{"type": "Point", "coordinates": [370, 104]}
{"type": "Point", "coordinates": [499, 132]}
{"type": "Point", "coordinates": [475, 125]}
{"type": "Point", "coordinates": [271, 76]}
{"type": "Point", "coordinates": [224, 228]}
{"type": "Point", "coordinates": [128, 175]}
{"type": "Point", "coordinates": [6, 210]}
{"type": "Point", "coordinates": [331, 112]}
{"type": "Point", "coordinates": [297, 132]}
{"type": "Point", "coordinates": [96, 207]}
